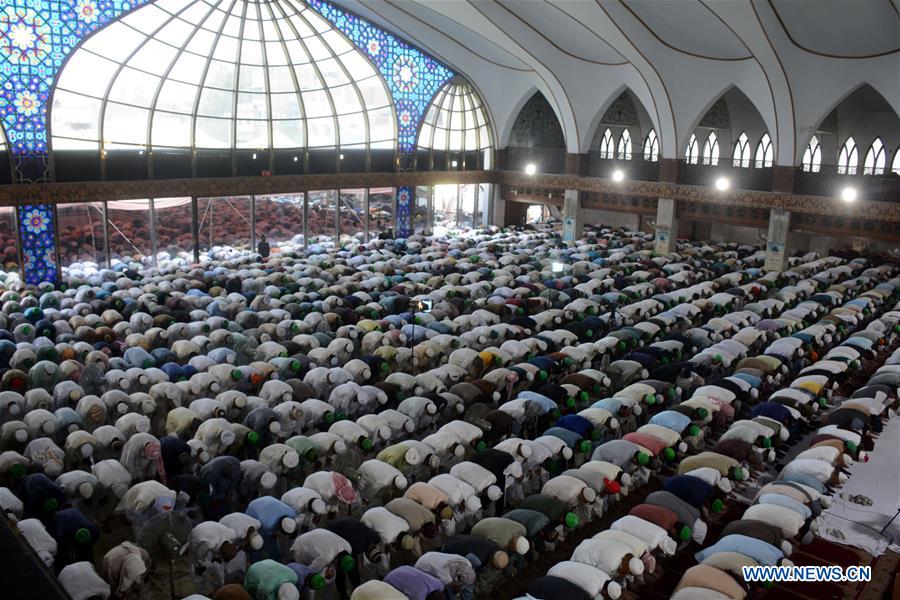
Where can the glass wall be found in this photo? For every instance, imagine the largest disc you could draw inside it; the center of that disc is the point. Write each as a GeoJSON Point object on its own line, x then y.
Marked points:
{"type": "Point", "coordinates": [468, 207]}
{"type": "Point", "coordinates": [482, 203]}
{"type": "Point", "coordinates": [174, 228]}
{"type": "Point", "coordinates": [224, 221]}
{"type": "Point", "coordinates": [284, 219]}
{"type": "Point", "coordinates": [280, 219]}
{"type": "Point", "coordinates": [536, 213]}
{"type": "Point", "coordinates": [81, 234]}
{"type": "Point", "coordinates": [8, 243]}
{"type": "Point", "coordinates": [353, 216]}
{"type": "Point", "coordinates": [129, 231]}
{"type": "Point", "coordinates": [445, 208]}
{"type": "Point", "coordinates": [422, 210]}
{"type": "Point", "coordinates": [321, 215]}
{"type": "Point", "coordinates": [381, 211]}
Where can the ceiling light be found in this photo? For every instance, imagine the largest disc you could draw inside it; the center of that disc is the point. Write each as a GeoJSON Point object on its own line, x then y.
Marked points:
{"type": "Point", "coordinates": [453, 163]}
{"type": "Point", "coordinates": [295, 159]}
{"type": "Point", "coordinates": [254, 156]}
{"type": "Point", "coordinates": [530, 169]}
{"type": "Point", "coordinates": [618, 175]}
{"type": "Point", "coordinates": [341, 157]}
{"type": "Point", "coordinates": [848, 194]}
{"type": "Point", "coordinates": [722, 184]}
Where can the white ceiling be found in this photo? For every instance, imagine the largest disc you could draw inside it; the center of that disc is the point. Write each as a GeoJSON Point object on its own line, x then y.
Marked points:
{"type": "Point", "coordinates": [794, 60]}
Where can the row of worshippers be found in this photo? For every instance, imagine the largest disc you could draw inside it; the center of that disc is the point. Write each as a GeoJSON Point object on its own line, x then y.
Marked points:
{"type": "Point", "coordinates": [145, 453]}
{"type": "Point", "coordinates": [784, 511]}
{"type": "Point", "coordinates": [671, 508]}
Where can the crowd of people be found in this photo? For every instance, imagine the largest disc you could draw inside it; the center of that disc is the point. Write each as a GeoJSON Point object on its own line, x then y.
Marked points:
{"type": "Point", "coordinates": [423, 418]}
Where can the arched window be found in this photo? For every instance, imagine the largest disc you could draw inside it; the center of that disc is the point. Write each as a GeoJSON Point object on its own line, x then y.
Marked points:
{"type": "Point", "coordinates": [848, 158]}
{"type": "Point", "coordinates": [812, 156]}
{"type": "Point", "coordinates": [875, 159]}
{"type": "Point", "coordinates": [895, 166]}
{"type": "Point", "coordinates": [625, 146]}
{"type": "Point", "coordinates": [765, 153]}
{"type": "Point", "coordinates": [651, 147]}
{"type": "Point", "coordinates": [711, 150]}
{"type": "Point", "coordinates": [265, 75]}
{"type": "Point", "coordinates": [455, 121]}
{"type": "Point", "coordinates": [693, 151]}
{"type": "Point", "coordinates": [741, 156]}
{"type": "Point", "coordinates": [607, 145]}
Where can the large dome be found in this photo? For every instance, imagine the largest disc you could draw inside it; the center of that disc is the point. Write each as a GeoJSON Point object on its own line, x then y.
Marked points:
{"type": "Point", "coordinates": [221, 74]}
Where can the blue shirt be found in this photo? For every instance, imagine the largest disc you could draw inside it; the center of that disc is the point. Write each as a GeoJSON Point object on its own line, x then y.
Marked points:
{"type": "Point", "coordinates": [611, 404]}
{"type": "Point", "coordinates": [671, 419]}
{"type": "Point", "coordinates": [785, 501]}
{"type": "Point", "coordinates": [546, 403]}
{"type": "Point", "coordinates": [805, 480]}
{"type": "Point", "coordinates": [569, 437]}
{"type": "Point", "coordinates": [269, 512]}
{"type": "Point", "coordinates": [773, 410]}
{"type": "Point", "coordinates": [751, 379]}
{"type": "Point", "coordinates": [760, 551]}
{"type": "Point", "coordinates": [859, 341]}
{"type": "Point", "coordinates": [692, 490]}
{"type": "Point", "coordinates": [576, 423]}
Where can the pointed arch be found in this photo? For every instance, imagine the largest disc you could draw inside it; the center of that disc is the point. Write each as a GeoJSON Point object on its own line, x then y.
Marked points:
{"type": "Point", "coordinates": [848, 158]}
{"type": "Point", "coordinates": [651, 147]}
{"type": "Point", "coordinates": [624, 150]}
{"type": "Point", "coordinates": [812, 128]}
{"type": "Point", "coordinates": [875, 159]}
{"type": "Point", "coordinates": [711, 150]}
{"type": "Point", "coordinates": [536, 124]}
{"type": "Point", "coordinates": [513, 115]}
{"type": "Point", "coordinates": [610, 115]}
{"type": "Point", "coordinates": [730, 93]}
{"type": "Point", "coordinates": [607, 145]}
{"type": "Point", "coordinates": [895, 166]}
{"type": "Point", "coordinates": [741, 155]}
{"type": "Point", "coordinates": [692, 153]}
{"type": "Point", "coordinates": [765, 153]}
{"type": "Point", "coordinates": [812, 156]}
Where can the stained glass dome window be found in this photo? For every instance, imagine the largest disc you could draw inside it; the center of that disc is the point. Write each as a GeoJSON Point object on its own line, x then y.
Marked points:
{"type": "Point", "coordinates": [455, 121]}
{"type": "Point", "coordinates": [221, 74]}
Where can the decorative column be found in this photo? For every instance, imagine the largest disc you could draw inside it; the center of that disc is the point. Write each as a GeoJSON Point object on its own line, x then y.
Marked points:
{"type": "Point", "coordinates": [776, 241]}
{"type": "Point", "coordinates": [666, 226]}
{"type": "Point", "coordinates": [404, 211]}
{"type": "Point", "coordinates": [35, 40]}
{"type": "Point", "coordinates": [573, 221]}
{"type": "Point", "coordinates": [777, 251]}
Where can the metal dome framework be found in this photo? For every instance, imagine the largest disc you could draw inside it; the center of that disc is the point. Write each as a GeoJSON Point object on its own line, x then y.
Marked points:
{"type": "Point", "coordinates": [221, 74]}
{"type": "Point", "coordinates": [455, 125]}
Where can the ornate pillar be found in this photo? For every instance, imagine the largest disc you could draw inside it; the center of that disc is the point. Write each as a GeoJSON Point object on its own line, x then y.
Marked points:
{"type": "Point", "coordinates": [404, 211]}
{"type": "Point", "coordinates": [573, 221]}
{"type": "Point", "coordinates": [45, 33]}
{"type": "Point", "coordinates": [777, 251]}
{"type": "Point", "coordinates": [776, 241]}
{"type": "Point", "coordinates": [666, 226]}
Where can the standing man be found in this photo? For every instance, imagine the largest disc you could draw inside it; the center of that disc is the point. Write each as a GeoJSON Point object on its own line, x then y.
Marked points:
{"type": "Point", "coordinates": [263, 247]}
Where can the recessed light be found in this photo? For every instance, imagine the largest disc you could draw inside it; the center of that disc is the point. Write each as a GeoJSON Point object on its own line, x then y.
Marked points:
{"type": "Point", "coordinates": [848, 194]}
